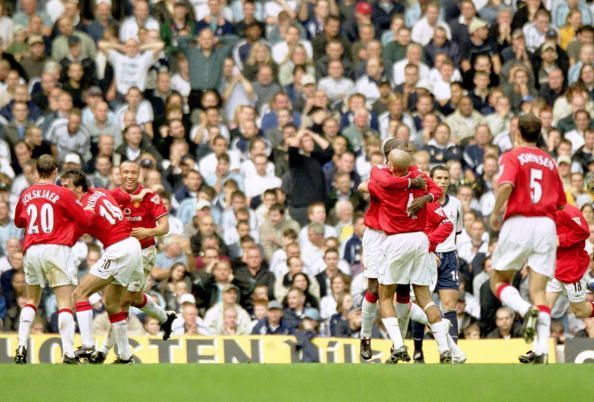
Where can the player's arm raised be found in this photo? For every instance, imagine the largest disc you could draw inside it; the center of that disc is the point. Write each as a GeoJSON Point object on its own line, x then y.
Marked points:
{"type": "Point", "coordinates": [569, 231]}
{"type": "Point", "coordinates": [386, 180]}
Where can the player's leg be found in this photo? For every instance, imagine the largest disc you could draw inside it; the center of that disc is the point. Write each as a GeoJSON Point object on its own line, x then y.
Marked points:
{"type": "Point", "coordinates": [403, 307]}
{"type": "Point", "coordinates": [66, 322]}
{"type": "Point", "coordinates": [583, 309]}
{"type": "Point", "coordinates": [118, 319]}
{"type": "Point", "coordinates": [447, 286]}
{"type": "Point", "coordinates": [537, 288]}
{"type": "Point", "coordinates": [369, 307]}
{"type": "Point", "coordinates": [510, 296]}
{"type": "Point", "coordinates": [26, 320]}
{"type": "Point", "coordinates": [577, 295]}
{"type": "Point", "coordinates": [439, 328]}
{"type": "Point", "coordinates": [541, 267]}
{"type": "Point", "coordinates": [388, 314]}
{"type": "Point", "coordinates": [373, 258]}
{"type": "Point", "coordinates": [137, 298]}
{"type": "Point", "coordinates": [554, 289]}
{"type": "Point", "coordinates": [112, 300]}
{"type": "Point", "coordinates": [84, 311]}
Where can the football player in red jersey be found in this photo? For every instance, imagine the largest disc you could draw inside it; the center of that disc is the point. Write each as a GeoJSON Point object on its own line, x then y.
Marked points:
{"type": "Point", "coordinates": [148, 219]}
{"type": "Point", "coordinates": [50, 215]}
{"type": "Point", "coordinates": [531, 188]}
{"type": "Point", "coordinates": [572, 263]}
{"type": "Point", "coordinates": [120, 263]}
{"type": "Point", "coordinates": [406, 247]}
{"type": "Point", "coordinates": [373, 255]}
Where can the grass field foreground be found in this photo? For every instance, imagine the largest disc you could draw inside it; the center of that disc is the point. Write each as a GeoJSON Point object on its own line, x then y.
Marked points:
{"type": "Point", "coordinates": [298, 382]}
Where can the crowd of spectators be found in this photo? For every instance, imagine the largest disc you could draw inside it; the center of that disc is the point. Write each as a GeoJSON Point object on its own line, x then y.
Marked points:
{"type": "Point", "coordinates": [255, 120]}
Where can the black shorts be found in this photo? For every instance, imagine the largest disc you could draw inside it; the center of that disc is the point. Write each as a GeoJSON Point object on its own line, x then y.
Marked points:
{"type": "Point", "coordinates": [447, 272]}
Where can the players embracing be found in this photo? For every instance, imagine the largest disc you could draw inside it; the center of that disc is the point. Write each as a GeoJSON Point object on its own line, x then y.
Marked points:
{"type": "Point", "coordinates": [148, 219]}
{"type": "Point", "coordinates": [402, 258]}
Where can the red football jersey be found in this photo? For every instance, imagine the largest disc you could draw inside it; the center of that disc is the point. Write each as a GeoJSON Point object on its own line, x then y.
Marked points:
{"type": "Point", "coordinates": [438, 227]}
{"type": "Point", "coordinates": [144, 214]}
{"type": "Point", "coordinates": [538, 190]}
{"type": "Point", "coordinates": [50, 214]}
{"type": "Point", "coordinates": [398, 183]}
{"type": "Point", "coordinates": [572, 258]}
{"type": "Point", "coordinates": [109, 225]}
{"type": "Point", "coordinates": [394, 201]}
{"type": "Point", "coordinates": [371, 218]}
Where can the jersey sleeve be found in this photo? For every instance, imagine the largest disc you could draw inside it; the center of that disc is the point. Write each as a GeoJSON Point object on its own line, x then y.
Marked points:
{"type": "Point", "coordinates": [387, 181]}
{"type": "Point", "coordinates": [374, 190]}
{"type": "Point", "coordinates": [120, 197]}
{"type": "Point", "coordinates": [75, 211]}
{"type": "Point", "coordinates": [157, 207]}
{"type": "Point", "coordinates": [19, 220]}
{"type": "Point", "coordinates": [459, 219]}
{"type": "Point", "coordinates": [437, 227]}
{"type": "Point", "coordinates": [509, 170]}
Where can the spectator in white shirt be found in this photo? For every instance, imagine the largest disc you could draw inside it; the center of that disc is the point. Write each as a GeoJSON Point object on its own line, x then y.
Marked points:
{"type": "Point", "coordinates": [140, 19]}
{"type": "Point", "coordinates": [535, 32]}
{"type": "Point", "coordinates": [316, 212]}
{"type": "Point", "coordinates": [280, 51]}
{"type": "Point", "coordinates": [69, 135]}
{"type": "Point", "coordinates": [256, 184]}
{"type": "Point", "coordinates": [273, 8]}
{"type": "Point", "coordinates": [131, 62]}
{"type": "Point", "coordinates": [368, 84]}
{"type": "Point", "coordinates": [335, 85]}
{"type": "Point", "coordinates": [477, 244]}
{"type": "Point", "coordinates": [142, 109]}
{"type": "Point", "coordinates": [422, 31]}
{"type": "Point", "coordinates": [414, 52]}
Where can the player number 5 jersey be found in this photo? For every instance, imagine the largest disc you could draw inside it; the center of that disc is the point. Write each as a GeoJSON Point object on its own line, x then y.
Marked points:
{"type": "Point", "coordinates": [538, 190]}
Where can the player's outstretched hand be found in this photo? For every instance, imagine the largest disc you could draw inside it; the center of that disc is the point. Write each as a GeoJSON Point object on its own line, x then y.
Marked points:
{"type": "Point", "coordinates": [495, 222]}
{"type": "Point", "coordinates": [418, 182]}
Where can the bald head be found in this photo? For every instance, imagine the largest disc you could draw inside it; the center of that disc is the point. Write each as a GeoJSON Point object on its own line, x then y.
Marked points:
{"type": "Point", "coordinates": [399, 161]}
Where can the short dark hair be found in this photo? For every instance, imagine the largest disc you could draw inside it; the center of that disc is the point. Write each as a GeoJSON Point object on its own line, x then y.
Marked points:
{"type": "Point", "coordinates": [530, 127]}
{"type": "Point", "coordinates": [330, 250]}
{"type": "Point", "coordinates": [78, 177]}
{"type": "Point", "coordinates": [46, 166]}
{"type": "Point", "coordinates": [436, 168]}
{"type": "Point", "coordinates": [393, 143]}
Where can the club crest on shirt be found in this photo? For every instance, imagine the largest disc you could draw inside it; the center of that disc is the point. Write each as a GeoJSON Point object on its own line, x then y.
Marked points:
{"type": "Point", "coordinates": [136, 204]}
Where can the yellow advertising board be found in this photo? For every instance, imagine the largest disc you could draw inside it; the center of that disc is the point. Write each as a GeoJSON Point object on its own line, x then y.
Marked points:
{"type": "Point", "coordinates": [262, 349]}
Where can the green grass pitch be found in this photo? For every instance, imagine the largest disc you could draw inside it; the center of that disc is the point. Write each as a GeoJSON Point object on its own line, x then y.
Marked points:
{"type": "Point", "coordinates": [297, 382]}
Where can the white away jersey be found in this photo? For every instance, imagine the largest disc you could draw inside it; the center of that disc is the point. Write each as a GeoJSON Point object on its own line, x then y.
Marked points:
{"type": "Point", "coordinates": [453, 211]}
